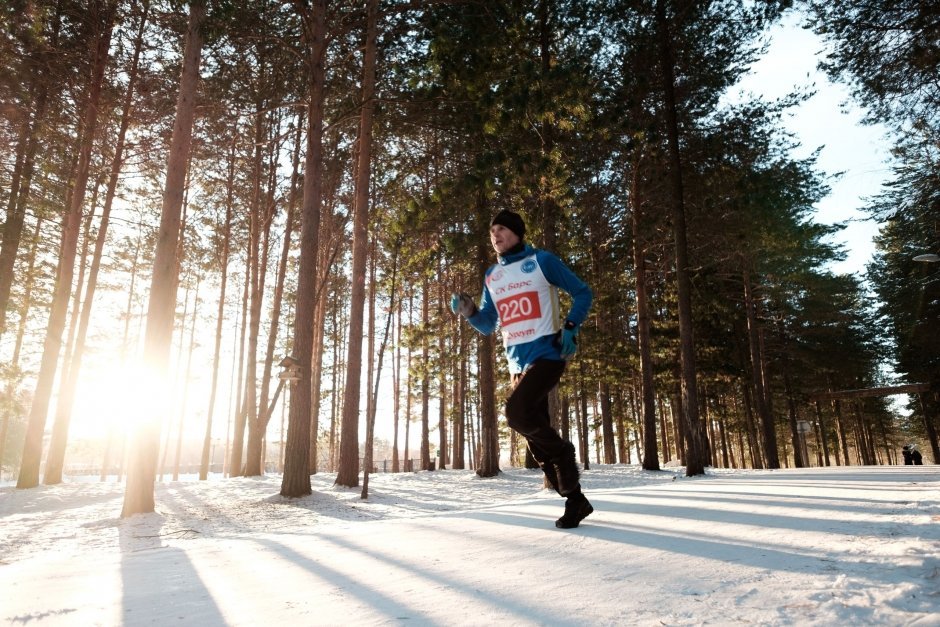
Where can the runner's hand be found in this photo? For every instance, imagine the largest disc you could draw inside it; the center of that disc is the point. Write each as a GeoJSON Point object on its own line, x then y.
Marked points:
{"type": "Point", "coordinates": [462, 304]}
{"type": "Point", "coordinates": [569, 341]}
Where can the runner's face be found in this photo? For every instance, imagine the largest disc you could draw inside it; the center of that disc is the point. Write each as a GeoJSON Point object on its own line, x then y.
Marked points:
{"type": "Point", "coordinates": [502, 238]}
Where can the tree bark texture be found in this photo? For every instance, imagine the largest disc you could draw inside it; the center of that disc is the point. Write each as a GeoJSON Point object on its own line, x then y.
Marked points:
{"type": "Point", "coordinates": [695, 449]}
{"type": "Point", "coordinates": [296, 480]}
{"type": "Point", "coordinates": [138, 495]}
{"type": "Point", "coordinates": [348, 474]}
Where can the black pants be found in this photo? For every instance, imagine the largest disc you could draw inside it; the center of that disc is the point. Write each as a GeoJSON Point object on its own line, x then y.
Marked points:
{"type": "Point", "coordinates": [527, 408]}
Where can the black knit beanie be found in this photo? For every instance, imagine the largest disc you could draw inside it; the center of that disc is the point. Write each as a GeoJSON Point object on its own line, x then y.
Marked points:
{"type": "Point", "coordinates": [511, 220]}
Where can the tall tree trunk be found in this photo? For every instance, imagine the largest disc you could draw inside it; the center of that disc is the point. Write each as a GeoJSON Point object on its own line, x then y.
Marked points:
{"type": "Point", "coordinates": [256, 294]}
{"type": "Point", "coordinates": [65, 402]}
{"type": "Point", "coordinates": [334, 396]}
{"type": "Point", "coordinates": [254, 464]}
{"type": "Point", "coordinates": [138, 495]}
{"type": "Point", "coordinates": [796, 438]}
{"type": "Point", "coordinates": [396, 390]}
{"type": "Point", "coordinates": [370, 363]}
{"type": "Point", "coordinates": [821, 432]}
{"type": "Point", "coordinates": [840, 429]}
{"type": "Point", "coordinates": [256, 430]}
{"type": "Point", "coordinates": [425, 376]}
{"type": "Point", "coordinates": [325, 237]}
{"type": "Point", "coordinates": [929, 420]}
{"type": "Point", "coordinates": [442, 384]}
{"type": "Point", "coordinates": [175, 369]}
{"type": "Point", "coordinates": [488, 459]}
{"type": "Point", "coordinates": [460, 402]}
{"type": "Point", "coordinates": [321, 307]}
{"type": "Point", "coordinates": [647, 383]}
{"type": "Point", "coordinates": [189, 368]}
{"type": "Point", "coordinates": [607, 423]}
{"type": "Point", "coordinates": [241, 413]}
{"type": "Point", "coordinates": [695, 449]}
{"type": "Point", "coordinates": [409, 466]}
{"type": "Point", "coordinates": [296, 480]}
{"type": "Point", "coordinates": [348, 474]}
{"type": "Point", "coordinates": [220, 316]}
{"type": "Point", "coordinates": [370, 418]}
{"type": "Point", "coordinates": [102, 15]}
{"type": "Point", "coordinates": [767, 427]}
{"type": "Point", "coordinates": [583, 427]}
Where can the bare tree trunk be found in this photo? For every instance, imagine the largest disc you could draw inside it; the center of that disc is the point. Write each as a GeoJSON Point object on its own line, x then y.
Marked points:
{"type": "Point", "coordinates": [931, 431]}
{"type": "Point", "coordinates": [348, 474]}
{"type": "Point", "coordinates": [255, 297]}
{"type": "Point", "coordinates": [321, 309]}
{"type": "Point", "coordinates": [442, 384]}
{"type": "Point", "coordinates": [371, 376]}
{"type": "Point", "coordinates": [370, 332]}
{"type": "Point", "coordinates": [460, 401]}
{"type": "Point", "coordinates": [408, 463]}
{"type": "Point", "coordinates": [220, 316]}
{"type": "Point", "coordinates": [488, 458]}
{"type": "Point", "coordinates": [695, 449]}
{"type": "Point", "coordinates": [138, 495]}
{"type": "Point", "coordinates": [370, 418]}
{"type": "Point", "coordinates": [396, 391]}
{"type": "Point", "coordinates": [821, 432]}
{"type": "Point", "coordinates": [768, 431]}
{"type": "Point", "coordinates": [798, 459]}
{"type": "Point", "coordinates": [840, 429]}
{"type": "Point", "coordinates": [296, 480]}
{"type": "Point", "coordinates": [253, 465]}
{"type": "Point", "coordinates": [102, 15]}
{"type": "Point", "coordinates": [326, 239]}
{"type": "Point", "coordinates": [647, 384]}
{"type": "Point", "coordinates": [241, 414]}
{"type": "Point", "coordinates": [339, 339]}
{"type": "Point", "coordinates": [189, 369]}
{"type": "Point", "coordinates": [583, 428]}
{"type": "Point", "coordinates": [425, 377]}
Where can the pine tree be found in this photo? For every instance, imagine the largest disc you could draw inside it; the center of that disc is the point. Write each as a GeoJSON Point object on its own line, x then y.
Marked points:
{"type": "Point", "coordinates": [138, 496]}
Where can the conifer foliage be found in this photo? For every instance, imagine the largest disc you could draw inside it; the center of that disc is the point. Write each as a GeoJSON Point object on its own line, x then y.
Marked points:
{"type": "Point", "coordinates": [320, 176]}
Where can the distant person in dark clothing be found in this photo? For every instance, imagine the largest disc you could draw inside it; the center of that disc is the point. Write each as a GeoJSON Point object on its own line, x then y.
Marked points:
{"type": "Point", "coordinates": [906, 452]}
{"type": "Point", "coordinates": [916, 457]}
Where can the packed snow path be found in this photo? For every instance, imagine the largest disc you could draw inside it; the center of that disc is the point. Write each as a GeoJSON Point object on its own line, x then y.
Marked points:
{"type": "Point", "coordinates": [823, 546]}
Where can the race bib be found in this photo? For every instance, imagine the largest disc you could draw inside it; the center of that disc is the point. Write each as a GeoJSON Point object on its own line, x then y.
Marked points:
{"type": "Point", "coordinates": [526, 302]}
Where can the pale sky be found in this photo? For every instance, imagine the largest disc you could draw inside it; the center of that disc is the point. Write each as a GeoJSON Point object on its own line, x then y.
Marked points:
{"type": "Point", "coordinates": [829, 119]}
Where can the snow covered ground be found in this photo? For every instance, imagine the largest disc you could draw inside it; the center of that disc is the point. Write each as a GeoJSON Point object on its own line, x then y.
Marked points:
{"type": "Point", "coordinates": [822, 546]}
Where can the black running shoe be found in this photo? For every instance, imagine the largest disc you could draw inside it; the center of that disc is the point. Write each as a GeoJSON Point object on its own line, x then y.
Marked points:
{"type": "Point", "coordinates": [577, 508]}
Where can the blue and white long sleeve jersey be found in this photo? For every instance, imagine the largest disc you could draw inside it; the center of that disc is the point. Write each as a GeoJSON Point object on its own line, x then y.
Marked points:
{"type": "Point", "coordinates": [521, 294]}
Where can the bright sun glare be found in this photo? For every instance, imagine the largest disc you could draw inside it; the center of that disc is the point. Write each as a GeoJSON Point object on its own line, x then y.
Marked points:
{"type": "Point", "coordinates": [114, 399]}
